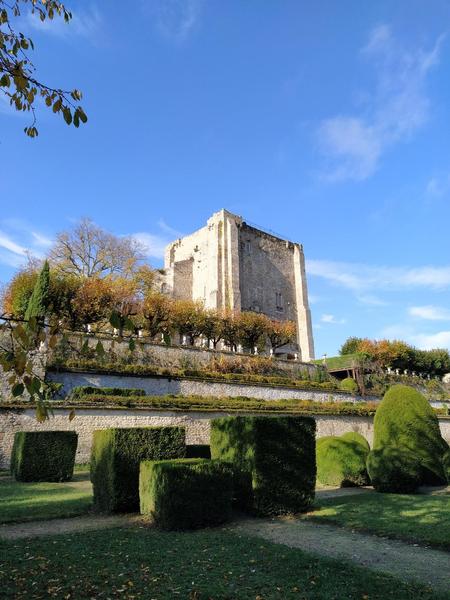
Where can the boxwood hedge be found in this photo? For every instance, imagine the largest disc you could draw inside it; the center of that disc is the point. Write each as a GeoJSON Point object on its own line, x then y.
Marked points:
{"type": "Point", "coordinates": [115, 458]}
{"type": "Point", "coordinates": [408, 448]}
{"type": "Point", "coordinates": [185, 494]}
{"type": "Point", "coordinates": [274, 461]}
{"type": "Point", "coordinates": [342, 460]}
{"type": "Point", "coordinates": [80, 391]}
{"type": "Point", "coordinates": [44, 455]}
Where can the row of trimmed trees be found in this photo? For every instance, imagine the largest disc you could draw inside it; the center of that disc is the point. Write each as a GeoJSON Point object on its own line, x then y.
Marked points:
{"type": "Point", "coordinates": [397, 354]}
{"type": "Point", "coordinates": [75, 302]}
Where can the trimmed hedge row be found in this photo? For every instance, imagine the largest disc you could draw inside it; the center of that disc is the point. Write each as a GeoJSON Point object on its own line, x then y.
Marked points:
{"type": "Point", "coordinates": [116, 455]}
{"type": "Point", "coordinates": [274, 461]}
{"type": "Point", "coordinates": [342, 460]}
{"type": "Point", "coordinates": [186, 494]}
{"type": "Point", "coordinates": [81, 391]}
{"type": "Point", "coordinates": [212, 403]}
{"type": "Point", "coordinates": [44, 455]}
{"type": "Point", "coordinates": [149, 371]}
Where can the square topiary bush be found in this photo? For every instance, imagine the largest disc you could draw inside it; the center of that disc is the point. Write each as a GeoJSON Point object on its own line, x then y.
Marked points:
{"type": "Point", "coordinates": [186, 494]}
{"type": "Point", "coordinates": [44, 455]}
{"type": "Point", "coordinates": [274, 460]}
{"type": "Point", "coordinates": [116, 454]}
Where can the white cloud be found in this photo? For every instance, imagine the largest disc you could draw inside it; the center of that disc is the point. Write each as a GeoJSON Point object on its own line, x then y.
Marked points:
{"type": "Point", "coordinates": [175, 19]}
{"type": "Point", "coordinates": [327, 318]}
{"type": "Point", "coordinates": [174, 233]}
{"type": "Point", "coordinates": [424, 341]}
{"type": "Point", "coordinates": [441, 339]}
{"type": "Point", "coordinates": [8, 244]}
{"type": "Point", "coordinates": [362, 278]}
{"type": "Point", "coordinates": [371, 300]}
{"type": "Point", "coordinates": [399, 106]}
{"type": "Point", "coordinates": [19, 241]}
{"type": "Point", "coordinates": [437, 187]}
{"type": "Point", "coordinates": [85, 23]}
{"type": "Point", "coordinates": [430, 313]}
{"type": "Point", "coordinates": [153, 244]}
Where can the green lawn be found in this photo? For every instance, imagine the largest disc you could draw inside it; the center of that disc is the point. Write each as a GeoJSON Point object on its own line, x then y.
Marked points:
{"type": "Point", "coordinates": [21, 502]}
{"type": "Point", "coordinates": [420, 518]}
{"type": "Point", "coordinates": [211, 564]}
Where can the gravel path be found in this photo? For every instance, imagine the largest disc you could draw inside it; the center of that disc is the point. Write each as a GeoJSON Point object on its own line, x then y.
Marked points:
{"type": "Point", "coordinates": [407, 562]}
{"type": "Point", "coordinates": [70, 525]}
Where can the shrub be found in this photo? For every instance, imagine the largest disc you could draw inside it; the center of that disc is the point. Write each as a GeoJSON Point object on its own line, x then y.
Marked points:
{"type": "Point", "coordinates": [446, 463]}
{"type": "Point", "coordinates": [342, 460]}
{"type": "Point", "coordinates": [408, 448]}
{"type": "Point", "coordinates": [44, 455]}
{"type": "Point", "coordinates": [274, 461]}
{"type": "Point", "coordinates": [88, 390]}
{"type": "Point", "coordinates": [349, 385]}
{"type": "Point", "coordinates": [185, 494]}
{"type": "Point", "coordinates": [115, 458]}
{"type": "Point", "coordinates": [198, 451]}
{"type": "Point", "coordinates": [393, 470]}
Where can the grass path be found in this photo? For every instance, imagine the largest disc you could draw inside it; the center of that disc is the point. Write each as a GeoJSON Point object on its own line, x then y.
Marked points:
{"type": "Point", "coordinates": [407, 562]}
{"type": "Point", "coordinates": [93, 522]}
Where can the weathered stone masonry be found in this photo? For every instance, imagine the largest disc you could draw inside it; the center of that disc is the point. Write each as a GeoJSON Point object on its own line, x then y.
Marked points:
{"type": "Point", "coordinates": [230, 264]}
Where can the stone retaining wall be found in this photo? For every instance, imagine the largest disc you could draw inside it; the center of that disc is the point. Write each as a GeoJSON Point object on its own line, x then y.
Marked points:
{"type": "Point", "coordinates": [197, 425]}
{"type": "Point", "coordinates": [193, 357]}
{"type": "Point", "coordinates": [161, 386]}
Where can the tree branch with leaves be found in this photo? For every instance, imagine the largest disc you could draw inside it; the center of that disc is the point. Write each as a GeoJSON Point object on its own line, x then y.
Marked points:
{"type": "Point", "coordinates": [18, 78]}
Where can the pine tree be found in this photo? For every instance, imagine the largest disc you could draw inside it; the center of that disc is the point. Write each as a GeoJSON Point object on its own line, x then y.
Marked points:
{"type": "Point", "coordinates": [39, 300]}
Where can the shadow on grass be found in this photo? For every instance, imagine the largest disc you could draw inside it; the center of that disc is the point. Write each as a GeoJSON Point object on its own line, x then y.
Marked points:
{"type": "Point", "coordinates": [22, 502]}
{"type": "Point", "coordinates": [417, 518]}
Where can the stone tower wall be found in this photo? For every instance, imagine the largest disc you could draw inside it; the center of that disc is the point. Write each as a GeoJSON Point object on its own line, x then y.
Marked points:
{"type": "Point", "coordinates": [229, 264]}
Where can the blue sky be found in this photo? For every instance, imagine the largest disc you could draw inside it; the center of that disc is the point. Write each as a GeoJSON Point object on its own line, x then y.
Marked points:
{"type": "Point", "coordinates": [326, 122]}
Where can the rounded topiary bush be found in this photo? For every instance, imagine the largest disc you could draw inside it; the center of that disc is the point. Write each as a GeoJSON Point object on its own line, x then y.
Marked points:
{"type": "Point", "coordinates": [349, 385]}
{"type": "Point", "coordinates": [342, 460]}
{"type": "Point", "coordinates": [408, 448]}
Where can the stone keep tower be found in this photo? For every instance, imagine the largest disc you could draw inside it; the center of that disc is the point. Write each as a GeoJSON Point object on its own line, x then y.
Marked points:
{"type": "Point", "coordinates": [229, 264]}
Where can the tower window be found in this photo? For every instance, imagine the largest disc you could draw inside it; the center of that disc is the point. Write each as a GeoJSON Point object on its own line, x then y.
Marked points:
{"type": "Point", "coordinates": [279, 301]}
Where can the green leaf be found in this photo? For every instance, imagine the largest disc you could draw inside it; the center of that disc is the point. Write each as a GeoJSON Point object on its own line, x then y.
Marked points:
{"type": "Point", "coordinates": [5, 81]}
{"type": "Point", "coordinates": [132, 345]}
{"type": "Point", "coordinates": [115, 320]}
{"type": "Point", "coordinates": [17, 389]}
{"type": "Point", "coordinates": [67, 115]}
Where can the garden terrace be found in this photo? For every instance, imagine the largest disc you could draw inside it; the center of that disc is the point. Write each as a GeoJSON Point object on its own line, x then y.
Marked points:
{"type": "Point", "coordinates": [204, 403]}
{"type": "Point", "coordinates": [138, 370]}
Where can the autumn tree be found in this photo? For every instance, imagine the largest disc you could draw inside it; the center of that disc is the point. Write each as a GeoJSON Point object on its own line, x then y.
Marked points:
{"type": "Point", "coordinates": [350, 346]}
{"type": "Point", "coordinates": [213, 327]}
{"type": "Point", "coordinates": [281, 333]}
{"type": "Point", "coordinates": [157, 310]}
{"type": "Point", "coordinates": [18, 78]}
{"type": "Point", "coordinates": [89, 251]}
{"type": "Point", "coordinates": [230, 329]}
{"type": "Point", "coordinates": [17, 292]}
{"type": "Point", "coordinates": [189, 319]}
{"type": "Point", "coordinates": [93, 301]}
{"type": "Point", "coordinates": [253, 329]}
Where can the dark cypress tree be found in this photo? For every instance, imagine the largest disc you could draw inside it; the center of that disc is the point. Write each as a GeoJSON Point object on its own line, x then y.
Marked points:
{"type": "Point", "coordinates": [39, 300]}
